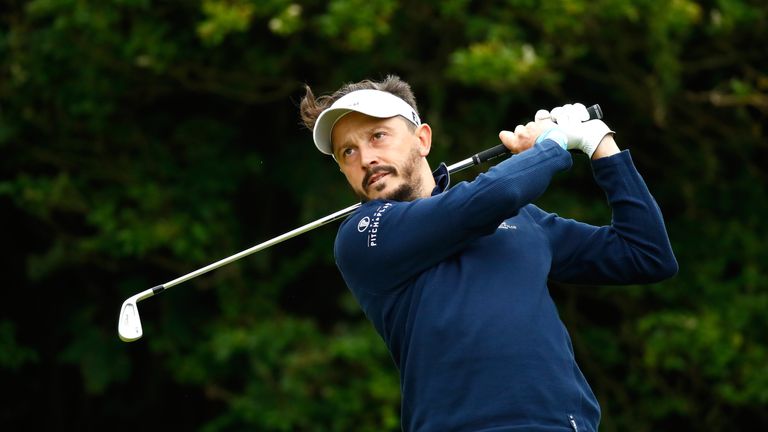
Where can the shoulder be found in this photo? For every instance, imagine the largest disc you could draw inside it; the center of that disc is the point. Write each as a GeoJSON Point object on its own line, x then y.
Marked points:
{"type": "Point", "coordinates": [362, 227]}
{"type": "Point", "coordinates": [368, 213]}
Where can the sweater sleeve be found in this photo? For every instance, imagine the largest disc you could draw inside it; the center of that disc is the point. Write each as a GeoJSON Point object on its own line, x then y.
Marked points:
{"type": "Point", "coordinates": [634, 248]}
{"type": "Point", "coordinates": [386, 243]}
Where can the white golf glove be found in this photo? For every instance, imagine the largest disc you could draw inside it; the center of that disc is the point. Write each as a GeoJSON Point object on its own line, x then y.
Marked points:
{"type": "Point", "coordinates": [582, 133]}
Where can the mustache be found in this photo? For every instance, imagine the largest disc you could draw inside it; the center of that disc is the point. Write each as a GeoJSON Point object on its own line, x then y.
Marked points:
{"type": "Point", "coordinates": [375, 170]}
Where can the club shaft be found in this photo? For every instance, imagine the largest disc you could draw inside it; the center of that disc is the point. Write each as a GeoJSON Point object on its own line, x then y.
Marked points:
{"type": "Point", "coordinates": [267, 244]}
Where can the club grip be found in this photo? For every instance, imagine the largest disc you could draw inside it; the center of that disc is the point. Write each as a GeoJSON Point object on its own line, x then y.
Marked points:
{"type": "Point", "coordinates": [489, 154]}
{"type": "Point", "coordinates": [595, 113]}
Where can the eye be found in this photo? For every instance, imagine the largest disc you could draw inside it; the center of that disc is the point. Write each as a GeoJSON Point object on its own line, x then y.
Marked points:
{"type": "Point", "coordinates": [378, 135]}
{"type": "Point", "coordinates": [346, 152]}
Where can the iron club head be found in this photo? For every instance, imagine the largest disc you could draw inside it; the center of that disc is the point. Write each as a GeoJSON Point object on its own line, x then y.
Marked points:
{"type": "Point", "coordinates": [129, 324]}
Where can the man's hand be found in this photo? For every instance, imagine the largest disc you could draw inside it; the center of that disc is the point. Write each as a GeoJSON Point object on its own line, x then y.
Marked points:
{"type": "Point", "coordinates": [581, 134]}
{"type": "Point", "coordinates": [524, 137]}
{"type": "Point", "coordinates": [569, 126]}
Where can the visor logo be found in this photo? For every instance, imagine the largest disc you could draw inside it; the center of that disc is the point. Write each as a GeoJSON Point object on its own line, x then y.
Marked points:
{"type": "Point", "coordinates": [363, 224]}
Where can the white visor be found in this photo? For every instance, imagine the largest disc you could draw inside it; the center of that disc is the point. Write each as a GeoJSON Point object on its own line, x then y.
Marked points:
{"type": "Point", "coordinates": [374, 103]}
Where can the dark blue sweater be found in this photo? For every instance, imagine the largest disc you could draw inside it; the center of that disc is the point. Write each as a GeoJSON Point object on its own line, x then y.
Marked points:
{"type": "Point", "coordinates": [456, 285]}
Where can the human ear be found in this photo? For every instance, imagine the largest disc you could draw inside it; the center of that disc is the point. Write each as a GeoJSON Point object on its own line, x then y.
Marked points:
{"type": "Point", "coordinates": [424, 135]}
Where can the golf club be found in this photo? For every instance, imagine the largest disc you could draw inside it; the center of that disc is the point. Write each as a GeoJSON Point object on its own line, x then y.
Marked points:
{"type": "Point", "coordinates": [129, 323]}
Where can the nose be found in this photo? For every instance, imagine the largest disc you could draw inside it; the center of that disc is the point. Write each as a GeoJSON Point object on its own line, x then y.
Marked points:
{"type": "Point", "coordinates": [368, 156]}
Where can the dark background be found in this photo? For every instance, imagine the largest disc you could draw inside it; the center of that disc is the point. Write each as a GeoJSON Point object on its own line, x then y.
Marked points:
{"type": "Point", "coordinates": [142, 140]}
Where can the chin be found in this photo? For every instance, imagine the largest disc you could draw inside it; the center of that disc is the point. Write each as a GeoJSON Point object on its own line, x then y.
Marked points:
{"type": "Point", "coordinates": [380, 191]}
{"type": "Point", "coordinates": [398, 192]}
{"type": "Point", "coordinates": [375, 196]}
{"type": "Point", "coordinates": [403, 192]}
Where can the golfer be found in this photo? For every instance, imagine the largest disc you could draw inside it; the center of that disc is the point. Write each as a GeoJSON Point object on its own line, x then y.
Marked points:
{"type": "Point", "coordinates": [454, 279]}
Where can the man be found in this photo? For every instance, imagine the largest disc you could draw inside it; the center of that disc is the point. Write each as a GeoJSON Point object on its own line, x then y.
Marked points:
{"type": "Point", "coordinates": [455, 279]}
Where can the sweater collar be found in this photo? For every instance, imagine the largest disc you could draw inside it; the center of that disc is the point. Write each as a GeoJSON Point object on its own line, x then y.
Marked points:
{"type": "Point", "coordinates": [442, 179]}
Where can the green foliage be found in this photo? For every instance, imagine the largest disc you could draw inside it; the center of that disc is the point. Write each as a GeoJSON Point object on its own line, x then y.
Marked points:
{"type": "Point", "coordinates": [358, 23]}
{"type": "Point", "coordinates": [498, 65]}
{"type": "Point", "coordinates": [95, 352]}
{"type": "Point", "coordinates": [223, 18]}
{"type": "Point", "coordinates": [13, 355]}
{"type": "Point", "coordinates": [142, 140]}
{"type": "Point", "coordinates": [284, 374]}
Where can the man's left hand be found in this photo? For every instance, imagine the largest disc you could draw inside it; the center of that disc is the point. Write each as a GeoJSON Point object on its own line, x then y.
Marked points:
{"type": "Point", "coordinates": [582, 134]}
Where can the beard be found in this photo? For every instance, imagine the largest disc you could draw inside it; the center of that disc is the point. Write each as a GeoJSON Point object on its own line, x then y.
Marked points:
{"type": "Point", "coordinates": [408, 190]}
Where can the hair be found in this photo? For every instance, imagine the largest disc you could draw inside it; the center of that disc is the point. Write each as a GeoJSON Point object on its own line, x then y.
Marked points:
{"type": "Point", "coordinates": [311, 107]}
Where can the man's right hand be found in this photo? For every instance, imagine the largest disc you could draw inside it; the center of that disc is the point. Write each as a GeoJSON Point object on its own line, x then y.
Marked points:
{"type": "Point", "coordinates": [524, 137]}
